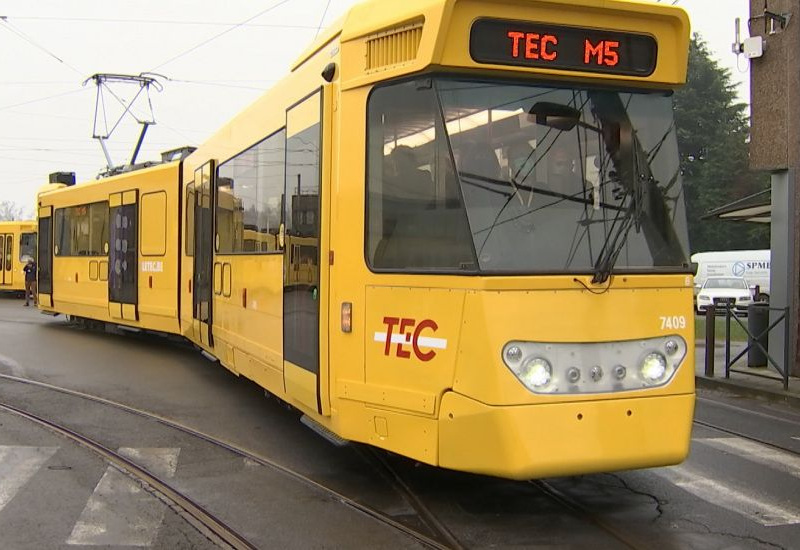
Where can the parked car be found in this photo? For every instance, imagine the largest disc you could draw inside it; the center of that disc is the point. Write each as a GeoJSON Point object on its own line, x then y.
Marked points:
{"type": "Point", "coordinates": [718, 290]}
{"type": "Point", "coordinates": [752, 265]}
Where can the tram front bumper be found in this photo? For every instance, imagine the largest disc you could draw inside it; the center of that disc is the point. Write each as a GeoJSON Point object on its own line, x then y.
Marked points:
{"type": "Point", "coordinates": [561, 439]}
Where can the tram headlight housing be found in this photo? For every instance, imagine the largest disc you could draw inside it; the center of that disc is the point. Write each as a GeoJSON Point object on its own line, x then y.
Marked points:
{"type": "Point", "coordinates": [596, 367]}
{"type": "Point", "coordinates": [536, 373]}
{"type": "Point", "coordinates": [653, 368]}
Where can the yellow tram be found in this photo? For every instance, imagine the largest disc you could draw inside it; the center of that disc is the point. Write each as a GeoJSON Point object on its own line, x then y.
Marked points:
{"type": "Point", "coordinates": [17, 244]}
{"type": "Point", "coordinates": [455, 231]}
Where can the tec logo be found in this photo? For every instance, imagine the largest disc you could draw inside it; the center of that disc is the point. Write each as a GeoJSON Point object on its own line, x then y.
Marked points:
{"type": "Point", "coordinates": [407, 333]}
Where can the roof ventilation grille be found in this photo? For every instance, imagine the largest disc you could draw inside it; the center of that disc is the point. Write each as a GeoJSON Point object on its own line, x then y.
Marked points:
{"type": "Point", "coordinates": [393, 47]}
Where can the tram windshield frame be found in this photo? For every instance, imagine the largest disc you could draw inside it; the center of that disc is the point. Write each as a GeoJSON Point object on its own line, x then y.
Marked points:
{"type": "Point", "coordinates": [506, 178]}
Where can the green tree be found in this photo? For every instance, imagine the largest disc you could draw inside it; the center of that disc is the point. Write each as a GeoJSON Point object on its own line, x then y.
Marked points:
{"type": "Point", "coordinates": [712, 139]}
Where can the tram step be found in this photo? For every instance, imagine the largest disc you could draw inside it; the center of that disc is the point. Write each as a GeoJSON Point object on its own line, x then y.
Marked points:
{"type": "Point", "coordinates": [323, 431]}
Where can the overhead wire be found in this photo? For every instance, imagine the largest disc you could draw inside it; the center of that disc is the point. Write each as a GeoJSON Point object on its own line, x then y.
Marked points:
{"type": "Point", "coordinates": [170, 22]}
{"type": "Point", "coordinates": [11, 27]}
{"type": "Point", "coordinates": [218, 35]}
{"type": "Point", "coordinates": [47, 98]}
{"type": "Point", "coordinates": [322, 19]}
{"type": "Point", "coordinates": [218, 84]}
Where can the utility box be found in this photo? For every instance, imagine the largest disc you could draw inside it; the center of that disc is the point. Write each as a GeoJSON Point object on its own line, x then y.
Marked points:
{"type": "Point", "coordinates": [67, 178]}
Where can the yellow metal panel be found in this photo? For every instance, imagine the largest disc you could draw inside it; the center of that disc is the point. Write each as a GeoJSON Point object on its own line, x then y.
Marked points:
{"type": "Point", "coordinates": [414, 436]}
{"type": "Point", "coordinates": [153, 229]}
{"type": "Point", "coordinates": [114, 200]}
{"type": "Point", "coordinates": [386, 396]}
{"type": "Point", "coordinates": [563, 439]}
{"type": "Point", "coordinates": [301, 385]}
{"type": "Point", "coordinates": [412, 339]}
{"type": "Point", "coordinates": [129, 312]}
{"type": "Point", "coordinates": [265, 376]}
{"type": "Point", "coordinates": [115, 310]}
{"type": "Point", "coordinates": [45, 211]}
{"type": "Point", "coordinates": [492, 319]}
{"type": "Point", "coordinates": [445, 36]}
{"type": "Point", "coordinates": [103, 270]}
{"type": "Point", "coordinates": [129, 197]}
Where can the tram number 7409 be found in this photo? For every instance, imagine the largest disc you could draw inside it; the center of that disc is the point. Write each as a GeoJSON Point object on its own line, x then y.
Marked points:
{"type": "Point", "coordinates": [673, 323]}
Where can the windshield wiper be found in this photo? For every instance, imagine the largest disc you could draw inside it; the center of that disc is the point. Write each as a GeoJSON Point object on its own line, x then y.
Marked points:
{"type": "Point", "coordinates": [648, 210]}
{"type": "Point", "coordinates": [615, 241]}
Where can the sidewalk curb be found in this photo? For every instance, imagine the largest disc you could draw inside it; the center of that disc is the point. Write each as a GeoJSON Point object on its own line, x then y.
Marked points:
{"type": "Point", "coordinates": [730, 386]}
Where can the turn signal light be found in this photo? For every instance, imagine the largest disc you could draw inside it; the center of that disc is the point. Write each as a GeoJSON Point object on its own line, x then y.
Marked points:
{"type": "Point", "coordinates": [347, 317]}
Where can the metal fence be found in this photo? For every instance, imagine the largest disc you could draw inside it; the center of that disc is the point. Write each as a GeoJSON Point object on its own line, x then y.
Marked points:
{"type": "Point", "coordinates": [755, 342]}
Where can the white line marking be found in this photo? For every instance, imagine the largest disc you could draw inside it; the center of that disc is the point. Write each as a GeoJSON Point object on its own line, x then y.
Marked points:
{"type": "Point", "coordinates": [756, 508]}
{"type": "Point", "coordinates": [17, 466]}
{"type": "Point", "coordinates": [756, 452]}
{"type": "Point", "coordinates": [16, 369]}
{"type": "Point", "coordinates": [796, 438]}
{"type": "Point", "coordinates": [422, 341]}
{"type": "Point", "coordinates": [119, 512]}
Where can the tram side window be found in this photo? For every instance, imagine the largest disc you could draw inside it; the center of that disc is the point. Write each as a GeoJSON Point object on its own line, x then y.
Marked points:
{"type": "Point", "coordinates": [416, 218]}
{"type": "Point", "coordinates": [82, 230]}
{"type": "Point", "coordinates": [249, 191]}
{"type": "Point", "coordinates": [27, 246]}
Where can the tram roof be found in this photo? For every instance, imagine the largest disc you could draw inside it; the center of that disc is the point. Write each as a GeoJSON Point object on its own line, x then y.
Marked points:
{"type": "Point", "coordinates": [371, 16]}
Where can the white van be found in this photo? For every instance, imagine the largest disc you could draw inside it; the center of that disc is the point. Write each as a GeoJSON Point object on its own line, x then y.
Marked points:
{"type": "Point", "coordinates": [753, 265]}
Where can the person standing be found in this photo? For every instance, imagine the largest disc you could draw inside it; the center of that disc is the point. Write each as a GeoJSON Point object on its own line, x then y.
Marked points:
{"type": "Point", "coordinates": [30, 282]}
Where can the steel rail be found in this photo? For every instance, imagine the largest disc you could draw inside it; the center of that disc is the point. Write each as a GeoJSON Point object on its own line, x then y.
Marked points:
{"type": "Point", "coordinates": [747, 437]}
{"type": "Point", "coordinates": [203, 520]}
{"type": "Point", "coordinates": [579, 510]}
{"type": "Point", "coordinates": [762, 414]}
{"type": "Point", "coordinates": [433, 523]}
{"type": "Point", "coordinates": [244, 453]}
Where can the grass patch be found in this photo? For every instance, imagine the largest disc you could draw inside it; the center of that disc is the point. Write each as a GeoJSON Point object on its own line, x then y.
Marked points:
{"type": "Point", "coordinates": [737, 332]}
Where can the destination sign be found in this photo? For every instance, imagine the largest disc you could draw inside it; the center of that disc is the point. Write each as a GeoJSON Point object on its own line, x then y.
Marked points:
{"type": "Point", "coordinates": [528, 44]}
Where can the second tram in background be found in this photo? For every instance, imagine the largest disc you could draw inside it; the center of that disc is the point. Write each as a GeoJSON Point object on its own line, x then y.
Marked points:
{"type": "Point", "coordinates": [17, 245]}
{"type": "Point", "coordinates": [454, 231]}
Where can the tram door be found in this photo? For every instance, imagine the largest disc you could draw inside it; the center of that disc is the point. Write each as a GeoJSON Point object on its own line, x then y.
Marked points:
{"type": "Point", "coordinates": [202, 273]}
{"type": "Point", "coordinates": [123, 260]}
{"type": "Point", "coordinates": [301, 252]}
{"type": "Point", "coordinates": [44, 255]}
{"type": "Point", "coordinates": [7, 261]}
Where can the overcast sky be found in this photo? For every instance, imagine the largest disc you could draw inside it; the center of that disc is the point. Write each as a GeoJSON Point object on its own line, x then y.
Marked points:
{"type": "Point", "coordinates": [218, 57]}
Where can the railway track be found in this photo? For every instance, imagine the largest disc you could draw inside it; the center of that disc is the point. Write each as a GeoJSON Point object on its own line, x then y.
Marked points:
{"type": "Point", "coordinates": [432, 534]}
{"type": "Point", "coordinates": [439, 530]}
{"type": "Point", "coordinates": [207, 523]}
{"type": "Point", "coordinates": [193, 512]}
{"type": "Point", "coordinates": [738, 433]}
{"type": "Point", "coordinates": [580, 511]}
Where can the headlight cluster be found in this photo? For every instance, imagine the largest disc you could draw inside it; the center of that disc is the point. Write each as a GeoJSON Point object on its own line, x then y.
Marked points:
{"type": "Point", "coordinates": [602, 367]}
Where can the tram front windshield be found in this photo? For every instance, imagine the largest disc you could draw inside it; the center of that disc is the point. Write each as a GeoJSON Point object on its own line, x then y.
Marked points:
{"type": "Point", "coordinates": [481, 177]}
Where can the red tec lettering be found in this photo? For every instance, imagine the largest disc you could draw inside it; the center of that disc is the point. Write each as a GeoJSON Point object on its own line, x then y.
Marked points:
{"type": "Point", "coordinates": [404, 332]}
{"type": "Point", "coordinates": [534, 45]}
